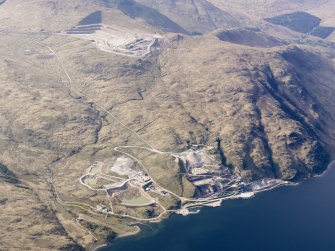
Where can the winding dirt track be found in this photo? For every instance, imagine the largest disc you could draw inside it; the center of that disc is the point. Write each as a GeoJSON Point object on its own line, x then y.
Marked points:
{"type": "Point", "coordinates": [191, 202]}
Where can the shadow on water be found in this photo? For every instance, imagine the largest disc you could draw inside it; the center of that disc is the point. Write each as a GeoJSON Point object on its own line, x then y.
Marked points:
{"type": "Point", "coordinates": [289, 218]}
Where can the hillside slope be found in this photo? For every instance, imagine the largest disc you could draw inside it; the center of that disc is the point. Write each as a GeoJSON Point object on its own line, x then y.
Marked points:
{"type": "Point", "coordinates": [196, 16]}
{"type": "Point", "coordinates": [98, 93]}
{"type": "Point", "coordinates": [262, 103]}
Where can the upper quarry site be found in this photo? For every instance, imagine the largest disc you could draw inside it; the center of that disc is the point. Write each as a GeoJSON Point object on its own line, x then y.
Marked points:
{"type": "Point", "coordinates": [114, 38]}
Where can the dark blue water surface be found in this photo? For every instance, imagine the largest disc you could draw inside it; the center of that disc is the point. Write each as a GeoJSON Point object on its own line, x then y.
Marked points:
{"type": "Point", "coordinates": [288, 218]}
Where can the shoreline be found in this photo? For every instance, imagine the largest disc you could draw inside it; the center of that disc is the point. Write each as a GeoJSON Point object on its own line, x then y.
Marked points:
{"type": "Point", "coordinates": [138, 230]}
{"type": "Point", "coordinates": [135, 232]}
{"type": "Point", "coordinates": [329, 166]}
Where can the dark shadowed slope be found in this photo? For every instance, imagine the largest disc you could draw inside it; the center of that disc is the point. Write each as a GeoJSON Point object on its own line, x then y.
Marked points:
{"type": "Point", "coordinates": [249, 38]}
{"type": "Point", "coordinates": [153, 17]}
{"type": "Point", "coordinates": [297, 21]}
{"type": "Point", "coordinates": [195, 16]}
